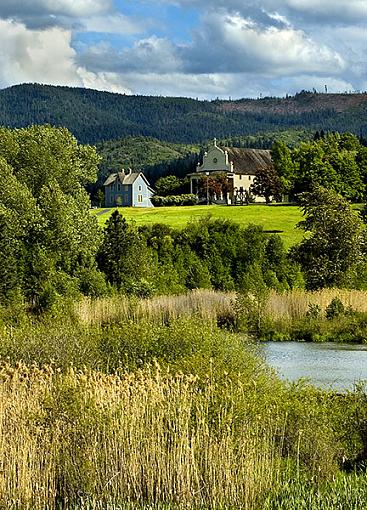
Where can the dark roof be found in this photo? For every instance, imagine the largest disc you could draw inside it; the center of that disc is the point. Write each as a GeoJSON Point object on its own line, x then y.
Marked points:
{"type": "Point", "coordinates": [248, 161]}
{"type": "Point", "coordinates": [123, 178]}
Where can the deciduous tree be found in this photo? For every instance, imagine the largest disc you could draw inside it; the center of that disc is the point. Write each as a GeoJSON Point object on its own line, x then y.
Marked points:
{"type": "Point", "coordinates": [334, 248]}
{"type": "Point", "coordinates": [266, 184]}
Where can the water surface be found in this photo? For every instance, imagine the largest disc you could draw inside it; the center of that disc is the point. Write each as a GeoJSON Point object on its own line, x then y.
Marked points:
{"type": "Point", "coordinates": [327, 365]}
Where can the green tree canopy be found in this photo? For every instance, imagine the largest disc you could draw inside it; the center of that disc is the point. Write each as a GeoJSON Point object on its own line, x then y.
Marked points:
{"type": "Point", "coordinates": [123, 255]}
{"type": "Point", "coordinates": [267, 184]}
{"type": "Point", "coordinates": [334, 249]}
{"type": "Point", "coordinates": [284, 165]}
{"type": "Point", "coordinates": [168, 185]}
{"type": "Point", "coordinates": [335, 161]}
{"type": "Point", "coordinates": [44, 211]}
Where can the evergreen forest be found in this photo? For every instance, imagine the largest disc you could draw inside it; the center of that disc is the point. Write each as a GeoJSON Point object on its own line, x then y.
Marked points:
{"type": "Point", "coordinates": [94, 116]}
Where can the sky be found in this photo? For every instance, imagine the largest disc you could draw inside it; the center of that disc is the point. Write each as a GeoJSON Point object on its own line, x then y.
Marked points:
{"type": "Point", "coordinates": [192, 48]}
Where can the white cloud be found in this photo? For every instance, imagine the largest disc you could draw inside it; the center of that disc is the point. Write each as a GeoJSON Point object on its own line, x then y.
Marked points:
{"type": "Point", "coordinates": [85, 15]}
{"type": "Point", "coordinates": [179, 84]}
{"type": "Point", "coordinates": [112, 24]}
{"type": "Point", "coordinates": [240, 47]}
{"type": "Point", "coordinates": [316, 11]}
{"type": "Point", "coordinates": [333, 10]}
{"type": "Point", "coordinates": [110, 82]}
{"type": "Point", "coordinates": [291, 85]}
{"type": "Point", "coordinates": [225, 43]}
{"type": "Point", "coordinates": [231, 43]}
{"type": "Point", "coordinates": [45, 56]}
{"type": "Point", "coordinates": [150, 55]}
{"type": "Point", "coordinates": [76, 7]}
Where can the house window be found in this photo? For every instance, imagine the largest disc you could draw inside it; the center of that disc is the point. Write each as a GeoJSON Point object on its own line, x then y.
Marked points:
{"type": "Point", "coordinates": [140, 198]}
{"type": "Point", "coordinates": [240, 176]}
{"type": "Point", "coordinates": [118, 187]}
{"type": "Point", "coordinates": [249, 177]}
{"type": "Point", "coordinates": [140, 188]}
{"type": "Point", "coordinates": [215, 160]}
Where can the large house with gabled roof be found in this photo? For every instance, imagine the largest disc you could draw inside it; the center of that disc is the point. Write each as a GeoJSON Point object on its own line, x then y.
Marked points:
{"type": "Point", "coordinates": [240, 167]}
{"type": "Point", "coordinates": [127, 189]}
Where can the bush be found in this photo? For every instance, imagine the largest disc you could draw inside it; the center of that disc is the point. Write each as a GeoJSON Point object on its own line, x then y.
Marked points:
{"type": "Point", "coordinates": [334, 309]}
{"type": "Point", "coordinates": [174, 200]}
{"type": "Point", "coordinates": [314, 311]}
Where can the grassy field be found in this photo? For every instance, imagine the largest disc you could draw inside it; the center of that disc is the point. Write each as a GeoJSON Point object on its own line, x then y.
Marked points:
{"type": "Point", "coordinates": [281, 219]}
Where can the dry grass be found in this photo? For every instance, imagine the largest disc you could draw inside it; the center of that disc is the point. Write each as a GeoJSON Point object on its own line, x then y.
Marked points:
{"type": "Point", "coordinates": [294, 305]}
{"type": "Point", "coordinates": [145, 438]}
{"type": "Point", "coordinates": [211, 305]}
{"type": "Point", "coordinates": [205, 304]}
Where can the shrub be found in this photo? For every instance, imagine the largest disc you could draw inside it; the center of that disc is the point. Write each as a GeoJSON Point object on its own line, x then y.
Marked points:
{"type": "Point", "coordinates": [334, 309]}
{"type": "Point", "coordinates": [314, 311]}
{"type": "Point", "coordinates": [174, 200]}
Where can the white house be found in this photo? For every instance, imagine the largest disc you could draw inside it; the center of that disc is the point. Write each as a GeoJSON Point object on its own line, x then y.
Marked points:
{"type": "Point", "coordinates": [240, 167]}
{"type": "Point", "coordinates": [128, 189]}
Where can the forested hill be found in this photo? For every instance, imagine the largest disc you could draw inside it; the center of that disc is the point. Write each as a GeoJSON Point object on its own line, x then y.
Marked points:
{"type": "Point", "coordinates": [153, 156]}
{"type": "Point", "coordinates": [93, 116]}
{"type": "Point", "coordinates": [157, 157]}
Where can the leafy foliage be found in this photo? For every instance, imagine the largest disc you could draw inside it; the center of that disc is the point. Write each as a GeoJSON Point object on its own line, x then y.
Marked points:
{"type": "Point", "coordinates": [283, 165]}
{"type": "Point", "coordinates": [334, 252]}
{"type": "Point", "coordinates": [206, 254]}
{"type": "Point", "coordinates": [174, 200]}
{"type": "Point", "coordinates": [122, 256]}
{"type": "Point", "coordinates": [334, 309]}
{"type": "Point", "coordinates": [48, 237]}
{"type": "Point", "coordinates": [334, 161]}
{"type": "Point", "coordinates": [168, 185]}
{"type": "Point", "coordinates": [267, 184]}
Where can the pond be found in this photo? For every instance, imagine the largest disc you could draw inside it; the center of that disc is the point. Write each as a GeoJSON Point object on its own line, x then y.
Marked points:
{"type": "Point", "coordinates": [327, 365]}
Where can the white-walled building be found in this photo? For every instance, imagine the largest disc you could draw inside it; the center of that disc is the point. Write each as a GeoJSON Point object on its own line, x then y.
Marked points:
{"type": "Point", "coordinates": [127, 189]}
{"type": "Point", "coordinates": [240, 167]}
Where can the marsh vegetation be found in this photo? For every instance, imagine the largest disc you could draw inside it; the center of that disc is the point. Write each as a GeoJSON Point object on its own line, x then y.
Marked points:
{"type": "Point", "coordinates": [137, 404]}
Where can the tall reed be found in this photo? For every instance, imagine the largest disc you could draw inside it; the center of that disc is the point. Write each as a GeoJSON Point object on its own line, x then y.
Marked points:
{"type": "Point", "coordinates": [84, 438]}
{"type": "Point", "coordinates": [294, 304]}
{"type": "Point", "coordinates": [205, 304]}
{"type": "Point", "coordinates": [211, 305]}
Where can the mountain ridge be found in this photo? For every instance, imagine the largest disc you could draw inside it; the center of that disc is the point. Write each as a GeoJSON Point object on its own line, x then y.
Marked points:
{"type": "Point", "coordinates": [94, 116]}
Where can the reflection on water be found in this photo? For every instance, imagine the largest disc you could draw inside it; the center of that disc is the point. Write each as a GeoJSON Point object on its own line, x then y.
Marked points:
{"type": "Point", "coordinates": [329, 365]}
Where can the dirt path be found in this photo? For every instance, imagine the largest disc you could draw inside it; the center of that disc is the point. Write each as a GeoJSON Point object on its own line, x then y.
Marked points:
{"type": "Point", "coordinates": [102, 212]}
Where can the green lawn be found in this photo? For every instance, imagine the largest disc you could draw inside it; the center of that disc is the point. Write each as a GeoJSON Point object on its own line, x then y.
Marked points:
{"type": "Point", "coordinates": [273, 218]}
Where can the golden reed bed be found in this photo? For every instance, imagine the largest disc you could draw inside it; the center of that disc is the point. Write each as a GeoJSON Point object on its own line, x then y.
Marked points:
{"type": "Point", "coordinates": [209, 305]}
{"type": "Point", "coordinates": [92, 441]}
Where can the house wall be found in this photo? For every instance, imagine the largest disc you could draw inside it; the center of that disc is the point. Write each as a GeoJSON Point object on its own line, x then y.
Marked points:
{"type": "Point", "coordinates": [117, 194]}
{"type": "Point", "coordinates": [215, 160]}
{"type": "Point", "coordinates": [245, 181]}
{"type": "Point", "coordinates": [140, 188]}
